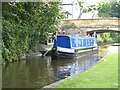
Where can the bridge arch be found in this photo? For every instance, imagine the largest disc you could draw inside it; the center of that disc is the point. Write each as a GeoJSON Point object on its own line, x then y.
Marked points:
{"type": "Point", "coordinates": [103, 31]}
{"type": "Point", "coordinates": [99, 25]}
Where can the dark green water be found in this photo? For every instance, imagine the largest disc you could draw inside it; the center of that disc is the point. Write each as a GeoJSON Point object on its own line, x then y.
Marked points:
{"type": "Point", "coordinates": [37, 72]}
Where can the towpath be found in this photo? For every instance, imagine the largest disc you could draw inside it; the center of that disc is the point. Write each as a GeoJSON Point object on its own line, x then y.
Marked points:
{"type": "Point", "coordinates": [114, 48]}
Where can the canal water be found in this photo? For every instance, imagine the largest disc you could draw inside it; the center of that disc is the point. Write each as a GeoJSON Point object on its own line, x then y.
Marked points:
{"type": "Point", "coordinates": [37, 72]}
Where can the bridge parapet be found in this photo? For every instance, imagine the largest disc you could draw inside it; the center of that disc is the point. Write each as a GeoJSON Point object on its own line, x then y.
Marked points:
{"type": "Point", "coordinates": [98, 25]}
{"type": "Point", "coordinates": [91, 23]}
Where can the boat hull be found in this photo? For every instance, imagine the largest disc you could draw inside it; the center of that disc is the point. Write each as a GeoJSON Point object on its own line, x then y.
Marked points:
{"type": "Point", "coordinates": [58, 54]}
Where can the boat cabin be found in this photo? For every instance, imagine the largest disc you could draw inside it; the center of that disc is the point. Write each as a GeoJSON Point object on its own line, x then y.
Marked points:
{"type": "Point", "coordinates": [69, 43]}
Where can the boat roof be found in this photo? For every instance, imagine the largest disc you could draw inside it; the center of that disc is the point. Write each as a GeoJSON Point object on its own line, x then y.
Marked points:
{"type": "Point", "coordinates": [73, 36]}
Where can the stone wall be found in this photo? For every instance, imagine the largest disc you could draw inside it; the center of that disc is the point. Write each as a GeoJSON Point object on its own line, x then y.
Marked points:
{"type": "Point", "coordinates": [92, 22]}
{"type": "Point", "coordinates": [85, 25]}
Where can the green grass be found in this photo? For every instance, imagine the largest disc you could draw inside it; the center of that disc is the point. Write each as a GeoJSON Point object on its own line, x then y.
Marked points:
{"type": "Point", "coordinates": [102, 75]}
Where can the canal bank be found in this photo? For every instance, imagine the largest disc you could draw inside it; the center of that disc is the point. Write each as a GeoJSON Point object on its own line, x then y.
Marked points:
{"type": "Point", "coordinates": [102, 75]}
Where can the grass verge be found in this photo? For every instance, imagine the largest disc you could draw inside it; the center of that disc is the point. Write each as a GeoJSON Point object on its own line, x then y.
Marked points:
{"type": "Point", "coordinates": [102, 75]}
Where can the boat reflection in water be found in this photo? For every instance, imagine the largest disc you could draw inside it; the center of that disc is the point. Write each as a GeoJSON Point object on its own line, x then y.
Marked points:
{"type": "Point", "coordinates": [70, 67]}
{"type": "Point", "coordinates": [37, 72]}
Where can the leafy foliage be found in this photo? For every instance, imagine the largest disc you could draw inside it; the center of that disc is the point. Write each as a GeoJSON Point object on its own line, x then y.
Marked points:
{"type": "Point", "coordinates": [110, 9]}
{"type": "Point", "coordinates": [104, 9]}
{"type": "Point", "coordinates": [25, 24]}
{"type": "Point", "coordinates": [84, 7]}
{"type": "Point", "coordinates": [108, 38]}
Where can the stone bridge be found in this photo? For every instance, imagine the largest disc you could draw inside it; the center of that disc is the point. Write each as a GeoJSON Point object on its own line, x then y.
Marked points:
{"type": "Point", "coordinates": [90, 25]}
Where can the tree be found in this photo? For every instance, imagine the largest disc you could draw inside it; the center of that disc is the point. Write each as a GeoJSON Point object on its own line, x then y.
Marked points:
{"type": "Point", "coordinates": [84, 7]}
{"type": "Point", "coordinates": [115, 10]}
{"type": "Point", "coordinates": [109, 9]}
{"type": "Point", "coordinates": [25, 24]}
{"type": "Point", "coordinates": [104, 9]}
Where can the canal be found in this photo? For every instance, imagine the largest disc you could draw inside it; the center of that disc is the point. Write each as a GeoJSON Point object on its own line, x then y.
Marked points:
{"type": "Point", "coordinates": [37, 72]}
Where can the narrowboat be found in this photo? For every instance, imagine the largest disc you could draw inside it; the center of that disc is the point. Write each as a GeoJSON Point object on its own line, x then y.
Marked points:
{"type": "Point", "coordinates": [68, 45]}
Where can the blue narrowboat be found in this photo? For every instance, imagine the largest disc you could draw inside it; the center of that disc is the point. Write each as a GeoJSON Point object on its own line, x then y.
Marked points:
{"type": "Point", "coordinates": [68, 45]}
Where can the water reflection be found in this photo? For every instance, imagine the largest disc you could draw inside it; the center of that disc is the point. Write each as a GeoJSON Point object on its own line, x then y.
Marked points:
{"type": "Point", "coordinates": [66, 68]}
{"type": "Point", "coordinates": [36, 72]}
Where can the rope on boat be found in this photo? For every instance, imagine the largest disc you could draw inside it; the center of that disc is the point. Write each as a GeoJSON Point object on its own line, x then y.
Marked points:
{"type": "Point", "coordinates": [45, 53]}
